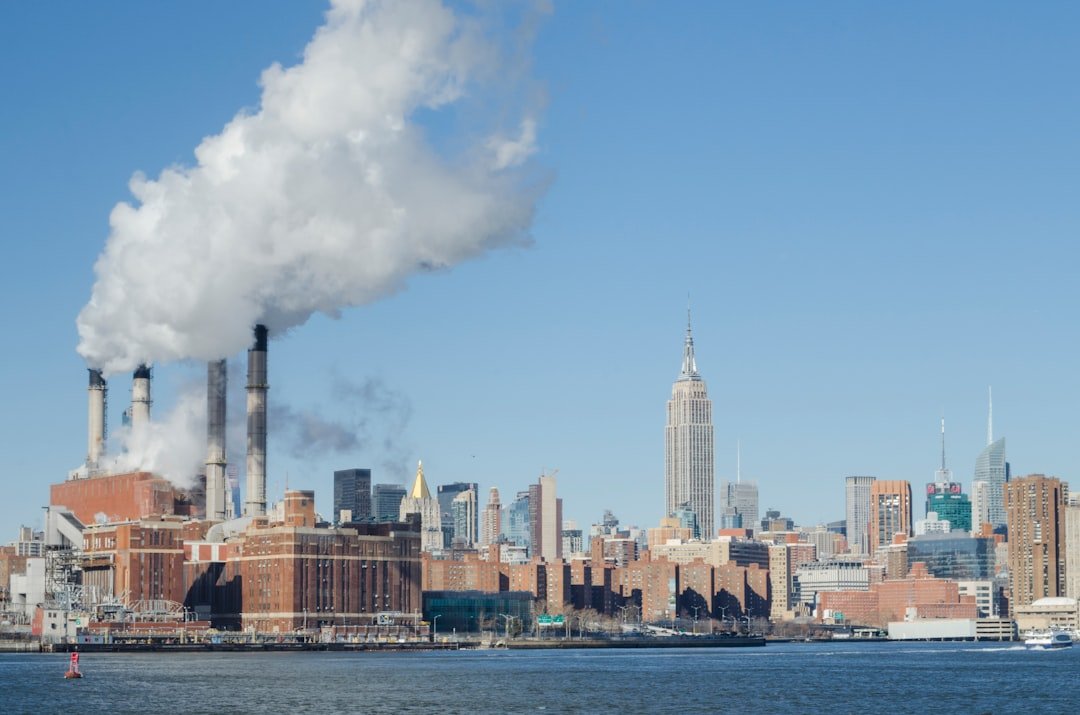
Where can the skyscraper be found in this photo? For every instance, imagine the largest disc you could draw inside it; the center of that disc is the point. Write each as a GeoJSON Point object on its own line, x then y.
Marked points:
{"type": "Point", "coordinates": [739, 505]}
{"type": "Point", "coordinates": [545, 519]}
{"type": "Point", "coordinates": [857, 500]}
{"type": "Point", "coordinates": [463, 510]}
{"type": "Point", "coordinates": [945, 497]}
{"type": "Point", "coordinates": [688, 444]}
{"type": "Point", "coordinates": [890, 511]}
{"type": "Point", "coordinates": [446, 493]}
{"type": "Point", "coordinates": [490, 519]}
{"type": "Point", "coordinates": [386, 502]}
{"type": "Point", "coordinates": [1072, 548]}
{"type": "Point", "coordinates": [352, 493]}
{"type": "Point", "coordinates": [515, 523]}
{"type": "Point", "coordinates": [1035, 515]}
{"type": "Point", "coordinates": [419, 501]}
{"type": "Point", "coordinates": [980, 505]}
{"type": "Point", "coordinates": [991, 467]}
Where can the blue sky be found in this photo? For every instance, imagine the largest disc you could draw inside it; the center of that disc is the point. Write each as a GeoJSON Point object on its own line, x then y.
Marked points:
{"type": "Point", "coordinates": [871, 206]}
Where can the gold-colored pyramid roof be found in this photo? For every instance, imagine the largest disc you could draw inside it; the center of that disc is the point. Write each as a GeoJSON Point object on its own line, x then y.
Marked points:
{"type": "Point", "coordinates": [419, 487]}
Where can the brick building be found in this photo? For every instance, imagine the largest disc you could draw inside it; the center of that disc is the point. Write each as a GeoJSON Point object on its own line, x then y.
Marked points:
{"type": "Point", "coordinates": [887, 601]}
{"type": "Point", "coordinates": [1035, 514]}
{"type": "Point", "coordinates": [120, 497]}
{"type": "Point", "coordinates": [135, 561]}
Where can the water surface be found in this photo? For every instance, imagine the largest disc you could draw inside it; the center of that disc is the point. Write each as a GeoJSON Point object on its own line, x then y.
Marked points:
{"type": "Point", "coordinates": [781, 678]}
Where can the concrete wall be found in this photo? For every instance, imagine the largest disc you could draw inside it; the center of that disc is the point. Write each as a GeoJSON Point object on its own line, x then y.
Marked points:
{"type": "Point", "coordinates": [932, 629]}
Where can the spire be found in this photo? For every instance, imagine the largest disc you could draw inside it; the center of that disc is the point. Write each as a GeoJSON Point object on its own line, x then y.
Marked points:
{"type": "Point", "coordinates": [990, 419]}
{"type": "Point", "coordinates": [943, 444]}
{"type": "Point", "coordinates": [689, 365]}
{"type": "Point", "coordinates": [419, 489]}
{"type": "Point", "coordinates": [943, 475]}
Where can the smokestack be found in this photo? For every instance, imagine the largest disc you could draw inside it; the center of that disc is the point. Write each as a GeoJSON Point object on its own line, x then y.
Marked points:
{"type": "Point", "coordinates": [97, 393]}
{"type": "Point", "coordinates": [255, 504]}
{"type": "Point", "coordinates": [140, 398]}
{"type": "Point", "coordinates": [215, 440]}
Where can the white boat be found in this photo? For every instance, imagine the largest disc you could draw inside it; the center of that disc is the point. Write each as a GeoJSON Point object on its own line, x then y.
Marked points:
{"type": "Point", "coordinates": [1049, 639]}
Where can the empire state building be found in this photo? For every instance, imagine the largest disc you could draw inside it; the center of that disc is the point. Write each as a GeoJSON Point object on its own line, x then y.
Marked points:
{"type": "Point", "coordinates": [688, 445]}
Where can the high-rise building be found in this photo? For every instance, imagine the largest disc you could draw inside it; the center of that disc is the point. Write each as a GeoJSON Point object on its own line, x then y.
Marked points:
{"type": "Point", "coordinates": [1035, 517]}
{"type": "Point", "coordinates": [419, 501]}
{"type": "Point", "coordinates": [352, 494]}
{"type": "Point", "coordinates": [516, 521]}
{"type": "Point", "coordinates": [980, 505]}
{"type": "Point", "coordinates": [739, 505]}
{"type": "Point", "coordinates": [573, 541]}
{"type": "Point", "coordinates": [991, 467]}
{"type": "Point", "coordinates": [686, 519]}
{"type": "Point", "coordinates": [463, 510]}
{"type": "Point", "coordinates": [946, 498]}
{"type": "Point", "coordinates": [688, 444]}
{"type": "Point", "coordinates": [1072, 547]}
{"type": "Point", "coordinates": [490, 519]}
{"type": "Point", "coordinates": [447, 493]}
{"type": "Point", "coordinates": [386, 502]}
{"type": "Point", "coordinates": [857, 523]}
{"type": "Point", "coordinates": [890, 511]}
{"type": "Point", "coordinates": [545, 519]}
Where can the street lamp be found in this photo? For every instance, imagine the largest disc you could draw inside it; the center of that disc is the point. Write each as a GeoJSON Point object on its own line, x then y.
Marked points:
{"type": "Point", "coordinates": [696, 609]}
{"type": "Point", "coordinates": [435, 628]}
{"type": "Point", "coordinates": [508, 618]}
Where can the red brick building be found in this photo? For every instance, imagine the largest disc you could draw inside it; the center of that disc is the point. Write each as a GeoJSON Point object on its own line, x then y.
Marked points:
{"type": "Point", "coordinates": [119, 497]}
{"type": "Point", "coordinates": [890, 600]}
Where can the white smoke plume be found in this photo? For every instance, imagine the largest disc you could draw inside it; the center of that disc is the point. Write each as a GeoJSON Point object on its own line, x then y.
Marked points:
{"type": "Point", "coordinates": [173, 446]}
{"type": "Point", "coordinates": [328, 195]}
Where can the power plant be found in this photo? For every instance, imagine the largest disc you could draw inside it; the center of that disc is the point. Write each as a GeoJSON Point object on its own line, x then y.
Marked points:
{"type": "Point", "coordinates": [217, 497]}
{"type": "Point", "coordinates": [130, 552]}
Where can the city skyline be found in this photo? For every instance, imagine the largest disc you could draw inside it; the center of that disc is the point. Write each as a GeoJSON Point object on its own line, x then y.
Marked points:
{"type": "Point", "coordinates": [868, 241]}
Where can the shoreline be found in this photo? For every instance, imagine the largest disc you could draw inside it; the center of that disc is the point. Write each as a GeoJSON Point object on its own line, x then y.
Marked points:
{"type": "Point", "coordinates": [466, 645]}
{"type": "Point", "coordinates": [293, 647]}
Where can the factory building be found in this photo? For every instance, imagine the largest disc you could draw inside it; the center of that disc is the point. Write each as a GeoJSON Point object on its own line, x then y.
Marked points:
{"type": "Point", "coordinates": [147, 544]}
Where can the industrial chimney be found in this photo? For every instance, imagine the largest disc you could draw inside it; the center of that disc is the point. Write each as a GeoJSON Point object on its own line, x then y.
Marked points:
{"type": "Point", "coordinates": [216, 499]}
{"type": "Point", "coordinates": [255, 504]}
{"type": "Point", "coordinates": [140, 398]}
{"type": "Point", "coordinates": [97, 392]}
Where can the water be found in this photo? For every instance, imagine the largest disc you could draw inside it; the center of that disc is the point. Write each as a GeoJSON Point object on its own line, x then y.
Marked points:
{"type": "Point", "coordinates": [781, 678]}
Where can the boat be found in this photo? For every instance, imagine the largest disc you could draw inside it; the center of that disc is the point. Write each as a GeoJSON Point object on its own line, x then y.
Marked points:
{"type": "Point", "coordinates": [1052, 638]}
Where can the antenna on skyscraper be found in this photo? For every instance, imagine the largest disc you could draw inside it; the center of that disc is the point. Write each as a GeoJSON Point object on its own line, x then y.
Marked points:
{"type": "Point", "coordinates": [990, 419]}
{"type": "Point", "coordinates": [943, 443]}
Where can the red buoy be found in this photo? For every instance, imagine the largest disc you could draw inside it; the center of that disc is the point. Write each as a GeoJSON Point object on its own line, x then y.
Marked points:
{"type": "Point", "coordinates": [73, 667]}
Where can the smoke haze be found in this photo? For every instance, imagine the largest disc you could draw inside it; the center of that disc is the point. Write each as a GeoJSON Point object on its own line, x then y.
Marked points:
{"type": "Point", "coordinates": [328, 195]}
{"type": "Point", "coordinates": [172, 445]}
{"type": "Point", "coordinates": [376, 418]}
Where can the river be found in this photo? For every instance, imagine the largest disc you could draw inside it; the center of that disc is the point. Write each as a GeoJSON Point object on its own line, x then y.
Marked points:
{"type": "Point", "coordinates": [788, 678]}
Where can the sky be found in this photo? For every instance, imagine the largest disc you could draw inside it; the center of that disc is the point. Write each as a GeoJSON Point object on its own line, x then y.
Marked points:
{"type": "Point", "coordinates": [870, 208]}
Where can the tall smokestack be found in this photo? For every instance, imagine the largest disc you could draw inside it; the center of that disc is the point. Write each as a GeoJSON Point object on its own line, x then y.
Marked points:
{"type": "Point", "coordinates": [97, 392]}
{"type": "Point", "coordinates": [140, 398]}
{"type": "Point", "coordinates": [215, 440]}
{"type": "Point", "coordinates": [255, 504]}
